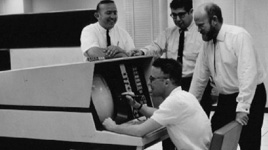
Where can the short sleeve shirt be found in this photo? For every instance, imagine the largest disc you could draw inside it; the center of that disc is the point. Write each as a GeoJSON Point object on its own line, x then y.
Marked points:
{"type": "Point", "coordinates": [187, 124]}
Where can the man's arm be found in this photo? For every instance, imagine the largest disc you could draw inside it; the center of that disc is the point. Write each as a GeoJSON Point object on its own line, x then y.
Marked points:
{"type": "Point", "coordinates": [247, 69]}
{"type": "Point", "coordinates": [115, 52]}
{"type": "Point", "coordinates": [144, 109]}
{"type": "Point", "coordinates": [156, 48]}
{"type": "Point", "coordinates": [138, 130]}
{"type": "Point", "coordinates": [95, 52]}
{"type": "Point", "coordinates": [201, 75]}
{"type": "Point", "coordinates": [147, 111]}
{"type": "Point", "coordinates": [110, 52]}
{"type": "Point", "coordinates": [136, 52]}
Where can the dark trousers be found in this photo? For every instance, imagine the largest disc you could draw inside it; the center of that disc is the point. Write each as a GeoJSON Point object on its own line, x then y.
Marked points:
{"type": "Point", "coordinates": [225, 112]}
{"type": "Point", "coordinates": [206, 103]}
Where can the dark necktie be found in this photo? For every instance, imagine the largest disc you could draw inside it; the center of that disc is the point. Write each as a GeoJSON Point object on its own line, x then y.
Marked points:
{"type": "Point", "coordinates": [214, 42]}
{"type": "Point", "coordinates": [181, 45]}
{"type": "Point", "coordinates": [108, 38]}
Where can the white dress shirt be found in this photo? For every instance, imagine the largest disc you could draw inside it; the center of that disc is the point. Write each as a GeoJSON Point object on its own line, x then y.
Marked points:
{"type": "Point", "coordinates": [233, 64]}
{"type": "Point", "coordinates": [94, 35]}
{"type": "Point", "coordinates": [169, 40]}
{"type": "Point", "coordinates": [187, 124]}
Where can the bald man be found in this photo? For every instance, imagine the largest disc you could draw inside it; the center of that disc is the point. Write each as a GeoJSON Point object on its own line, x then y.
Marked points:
{"type": "Point", "coordinates": [104, 39]}
{"type": "Point", "coordinates": [229, 57]}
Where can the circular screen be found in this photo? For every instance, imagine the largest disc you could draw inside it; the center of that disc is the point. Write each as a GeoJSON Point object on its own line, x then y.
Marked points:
{"type": "Point", "coordinates": [102, 98]}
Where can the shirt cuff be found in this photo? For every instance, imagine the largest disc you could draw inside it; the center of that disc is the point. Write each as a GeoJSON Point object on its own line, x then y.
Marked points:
{"type": "Point", "coordinates": [242, 107]}
{"type": "Point", "coordinates": [144, 51]}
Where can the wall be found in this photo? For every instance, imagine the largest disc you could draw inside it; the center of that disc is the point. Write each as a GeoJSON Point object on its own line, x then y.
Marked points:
{"type": "Point", "coordinates": [13, 5]}
{"type": "Point", "coordinates": [59, 5]}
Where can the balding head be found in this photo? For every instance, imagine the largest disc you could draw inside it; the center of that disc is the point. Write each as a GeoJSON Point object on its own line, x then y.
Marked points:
{"type": "Point", "coordinates": [200, 14]}
{"type": "Point", "coordinates": [209, 10]}
{"type": "Point", "coordinates": [209, 20]}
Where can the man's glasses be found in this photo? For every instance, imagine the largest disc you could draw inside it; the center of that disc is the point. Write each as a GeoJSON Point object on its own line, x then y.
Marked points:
{"type": "Point", "coordinates": [151, 78]}
{"type": "Point", "coordinates": [180, 14]}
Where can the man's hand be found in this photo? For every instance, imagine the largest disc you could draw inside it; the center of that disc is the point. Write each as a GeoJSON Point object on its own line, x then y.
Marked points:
{"type": "Point", "coordinates": [109, 124]}
{"type": "Point", "coordinates": [114, 52]}
{"type": "Point", "coordinates": [111, 51]}
{"type": "Point", "coordinates": [131, 101]}
{"type": "Point", "coordinates": [136, 52]}
{"type": "Point", "coordinates": [242, 118]}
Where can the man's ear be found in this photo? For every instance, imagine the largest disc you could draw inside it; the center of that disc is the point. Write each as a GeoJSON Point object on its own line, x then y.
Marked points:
{"type": "Point", "coordinates": [191, 11]}
{"type": "Point", "coordinates": [96, 15]}
{"type": "Point", "coordinates": [214, 20]}
{"type": "Point", "coordinates": [167, 82]}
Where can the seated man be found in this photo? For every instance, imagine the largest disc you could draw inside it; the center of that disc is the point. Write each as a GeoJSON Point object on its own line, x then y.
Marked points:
{"type": "Point", "coordinates": [103, 39]}
{"type": "Point", "coordinates": [187, 124]}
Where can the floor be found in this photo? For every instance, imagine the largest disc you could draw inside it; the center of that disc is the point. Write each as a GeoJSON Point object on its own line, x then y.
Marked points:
{"type": "Point", "coordinates": [264, 145]}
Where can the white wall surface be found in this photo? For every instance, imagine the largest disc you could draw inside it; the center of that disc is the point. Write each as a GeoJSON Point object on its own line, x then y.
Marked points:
{"type": "Point", "coordinates": [62, 5]}
{"type": "Point", "coordinates": [11, 6]}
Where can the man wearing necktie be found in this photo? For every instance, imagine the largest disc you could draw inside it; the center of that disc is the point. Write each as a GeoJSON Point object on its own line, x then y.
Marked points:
{"type": "Point", "coordinates": [183, 43]}
{"type": "Point", "coordinates": [103, 39]}
{"type": "Point", "coordinates": [229, 57]}
{"type": "Point", "coordinates": [108, 38]}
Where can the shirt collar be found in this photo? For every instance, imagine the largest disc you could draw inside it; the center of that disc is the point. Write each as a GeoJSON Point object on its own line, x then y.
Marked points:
{"type": "Point", "coordinates": [190, 27]}
{"type": "Point", "coordinates": [175, 90]}
{"type": "Point", "coordinates": [103, 29]}
{"type": "Point", "coordinates": [222, 32]}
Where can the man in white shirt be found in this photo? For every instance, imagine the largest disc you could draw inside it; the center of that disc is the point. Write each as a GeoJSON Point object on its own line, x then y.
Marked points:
{"type": "Point", "coordinates": [104, 39]}
{"type": "Point", "coordinates": [230, 59]}
{"type": "Point", "coordinates": [166, 45]}
{"type": "Point", "coordinates": [187, 124]}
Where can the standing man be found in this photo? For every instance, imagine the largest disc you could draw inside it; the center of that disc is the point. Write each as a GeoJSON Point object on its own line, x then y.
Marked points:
{"type": "Point", "coordinates": [169, 44]}
{"type": "Point", "coordinates": [230, 58]}
{"type": "Point", "coordinates": [183, 43]}
{"type": "Point", "coordinates": [103, 39]}
{"type": "Point", "coordinates": [180, 112]}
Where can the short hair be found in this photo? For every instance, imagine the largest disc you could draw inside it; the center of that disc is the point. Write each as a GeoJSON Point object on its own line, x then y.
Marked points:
{"type": "Point", "coordinates": [186, 4]}
{"type": "Point", "coordinates": [103, 2]}
{"type": "Point", "coordinates": [213, 10]}
{"type": "Point", "coordinates": [170, 67]}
